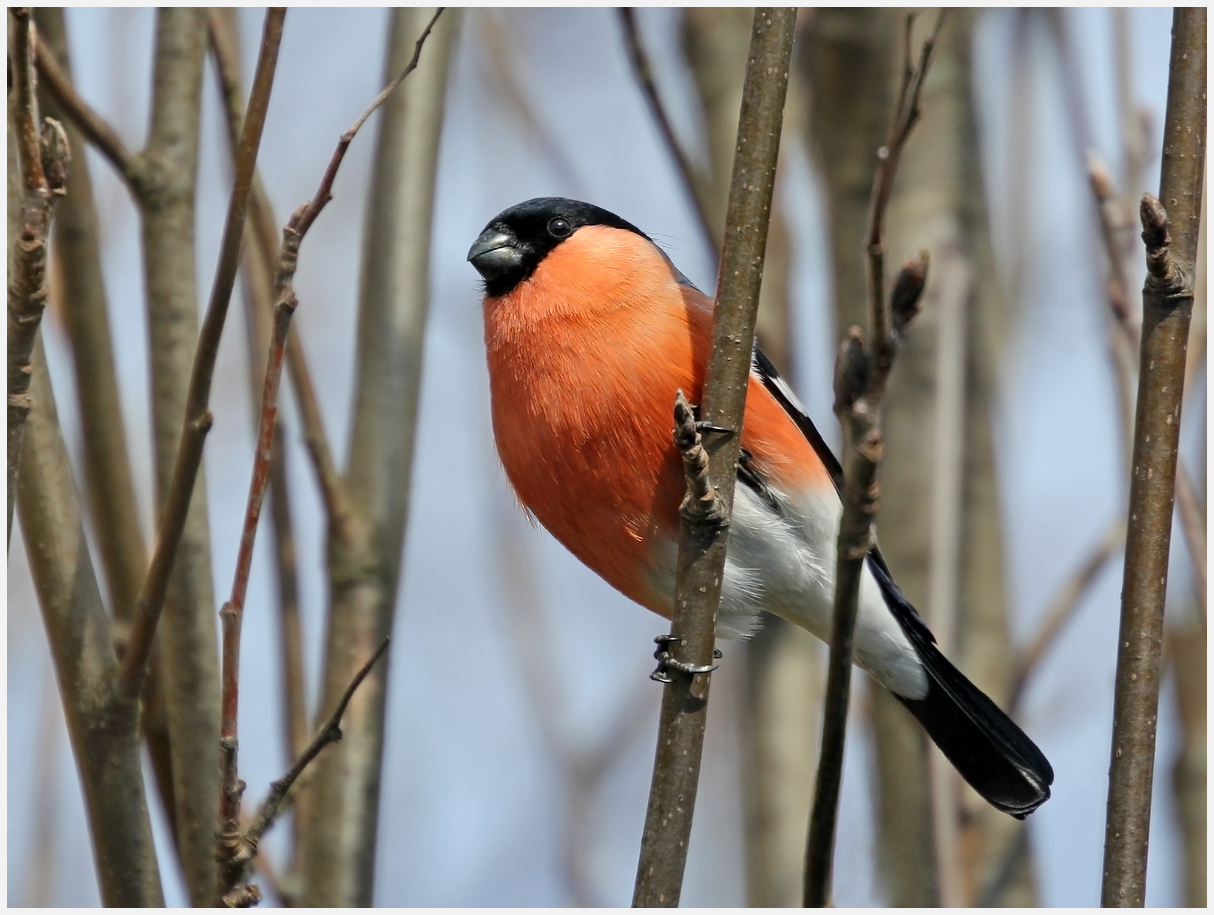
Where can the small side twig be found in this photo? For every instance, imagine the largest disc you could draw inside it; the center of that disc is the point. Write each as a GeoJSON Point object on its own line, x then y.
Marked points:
{"type": "Point", "coordinates": [1171, 241]}
{"type": "Point", "coordinates": [94, 127]}
{"type": "Point", "coordinates": [238, 850]}
{"type": "Point", "coordinates": [644, 77]}
{"type": "Point", "coordinates": [43, 158]}
{"type": "Point", "coordinates": [861, 372]}
{"type": "Point", "coordinates": [1062, 610]}
{"type": "Point", "coordinates": [701, 559]}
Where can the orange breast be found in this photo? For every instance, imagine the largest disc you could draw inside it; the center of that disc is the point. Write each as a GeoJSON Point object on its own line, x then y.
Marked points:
{"type": "Point", "coordinates": [584, 361]}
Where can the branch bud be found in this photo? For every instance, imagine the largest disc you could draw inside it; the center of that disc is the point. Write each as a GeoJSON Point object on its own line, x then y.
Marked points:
{"type": "Point", "coordinates": [56, 154]}
{"type": "Point", "coordinates": [1155, 236]}
{"type": "Point", "coordinates": [906, 300]}
{"type": "Point", "coordinates": [852, 369]}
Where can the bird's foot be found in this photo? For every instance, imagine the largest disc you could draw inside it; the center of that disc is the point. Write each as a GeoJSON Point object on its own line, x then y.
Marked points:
{"type": "Point", "coordinates": [668, 664]}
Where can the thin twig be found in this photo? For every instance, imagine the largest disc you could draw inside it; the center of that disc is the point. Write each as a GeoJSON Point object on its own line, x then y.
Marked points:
{"type": "Point", "coordinates": [198, 416]}
{"type": "Point", "coordinates": [323, 193]}
{"type": "Point", "coordinates": [1067, 601]}
{"type": "Point", "coordinates": [643, 73]}
{"type": "Point", "coordinates": [701, 557]}
{"type": "Point", "coordinates": [264, 237]}
{"type": "Point", "coordinates": [1171, 241]}
{"type": "Point", "coordinates": [42, 182]}
{"type": "Point", "coordinates": [860, 376]}
{"type": "Point", "coordinates": [237, 849]}
{"type": "Point", "coordinates": [260, 293]}
{"type": "Point", "coordinates": [883, 185]}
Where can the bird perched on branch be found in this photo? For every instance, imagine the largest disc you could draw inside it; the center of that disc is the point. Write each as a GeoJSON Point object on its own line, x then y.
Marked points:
{"type": "Point", "coordinates": [590, 330]}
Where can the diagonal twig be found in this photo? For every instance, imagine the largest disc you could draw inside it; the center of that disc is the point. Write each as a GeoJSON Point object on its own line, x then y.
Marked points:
{"type": "Point", "coordinates": [644, 77]}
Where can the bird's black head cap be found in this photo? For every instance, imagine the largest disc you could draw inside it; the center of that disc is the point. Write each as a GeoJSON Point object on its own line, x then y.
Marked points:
{"type": "Point", "coordinates": [518, 239]}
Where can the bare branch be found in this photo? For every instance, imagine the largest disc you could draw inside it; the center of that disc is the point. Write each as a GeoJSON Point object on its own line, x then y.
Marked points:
{"type": "Point", "coordinates": [94, 127]}
{"type": "Point", "coordinates": [340, 809]}
{"type": "Point", "coordinates": [239, 850]}
{"type": "Point", "coordinates": [102, 722]}
{"type": "Point", "coordinates": [1171, 239]}
{"type": "Point", "coordinates": [198, 417]}
{"type": "Point", "coordinates": [702, 551]}
{"type": "Point", "coordinates": [1062, 610]}
{"type": "Point", "coordinates": [644, 77]}
{"type": "Point", "coordinates": [27, 290]}
{"type": "Point", "coordinates": [266, 242]}
{"type": "Point", "coordinates": [860, 377]}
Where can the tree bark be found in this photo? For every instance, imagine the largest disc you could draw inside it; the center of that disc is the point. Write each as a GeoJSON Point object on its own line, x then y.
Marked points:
{"type": "Point", "coordinates": [337, 854]}
{"type": "Point", "coordinates": [188, 632]}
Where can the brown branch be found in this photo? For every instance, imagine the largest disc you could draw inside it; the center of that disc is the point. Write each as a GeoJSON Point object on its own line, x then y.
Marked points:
{"type": "Point", "coordinates": [1067, 601]}
{"type": "Point", "coordinates": [323, 192]}
{"type": "Point", "coordinates": [265, 241]}
{"type": "Point", "coordinates": [40, 187]}
{"type": "Point", "coordinates": [1171, 240]}
{"type": "Point", "coordinates": [883, 185]}
{"type": "Point", "coordinates": [103, 723]}
{"type": "Point", "coordinates": [702, 546]}
{"type": "Point", "coordinates": [198, 416]}
{"type": "Point", "coordinates": [860, 376]}
{"type": "Point", "coordinates": [643, 74]}
{"type": "Point", "coordinates": [94, 127]}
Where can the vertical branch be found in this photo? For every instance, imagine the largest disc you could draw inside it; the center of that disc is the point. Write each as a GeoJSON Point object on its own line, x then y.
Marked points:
{"type": "Point", "coordinates": [102, 721]}
{"type": "Point", "coordinates": [706, 511]}
{"type": "Point", "coordinates": [1171, 239]}
{"type": "Point", "coordinates": [27, 291]}
{"type": "Point", "coordinates": [340, 817]}
{"type": "Point", "coordinates": [108, 482]}
{"type": "Point", "coordinates": [861, 372]}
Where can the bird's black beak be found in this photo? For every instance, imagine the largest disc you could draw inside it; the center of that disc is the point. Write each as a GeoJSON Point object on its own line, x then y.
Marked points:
{"type": "Point", "coordinates": [495, 253]}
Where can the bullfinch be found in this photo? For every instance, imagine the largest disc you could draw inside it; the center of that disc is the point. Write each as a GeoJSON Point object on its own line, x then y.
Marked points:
{"type": "Point", "coordinates": [590, 330]}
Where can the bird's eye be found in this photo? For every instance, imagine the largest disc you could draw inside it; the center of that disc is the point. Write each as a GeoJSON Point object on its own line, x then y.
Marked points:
{"type": "Point", "coordinates": [559, 227]}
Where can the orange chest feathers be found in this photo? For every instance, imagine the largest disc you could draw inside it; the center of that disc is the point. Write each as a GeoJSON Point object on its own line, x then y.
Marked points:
{"type": "Point", "coordinates": [584, 359]}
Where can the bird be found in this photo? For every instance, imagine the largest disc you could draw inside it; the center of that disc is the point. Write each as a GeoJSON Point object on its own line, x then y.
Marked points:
{"type": "Point", "coordinates": [590, 329]}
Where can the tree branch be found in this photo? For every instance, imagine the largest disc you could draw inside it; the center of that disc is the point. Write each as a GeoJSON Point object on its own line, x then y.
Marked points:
{"type": "Point", "coordinates": [238, 851]}
{"type": "Point", "coordinates": [340, 808]}
{"type": "Point", "coordinates": [860, 377]}
{"type": "Point", "coordinates": [702, 546]}
{"type": "Point", "coordinates": [1171, 239]}
{"type": "Point", "coordinates": [643, 74]}
{"type": "Point", "coordinates": [102, 722]}
{"type": "Point", "coordinates": [198, 417]}
{"type": "Point", "coordinates": [94, 127]}
{"type": "Point", "coordinates": [41, 184]}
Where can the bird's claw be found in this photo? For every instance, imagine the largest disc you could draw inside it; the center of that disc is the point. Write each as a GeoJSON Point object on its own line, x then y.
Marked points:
{"type": "Point", "coordinates": [667, 663]}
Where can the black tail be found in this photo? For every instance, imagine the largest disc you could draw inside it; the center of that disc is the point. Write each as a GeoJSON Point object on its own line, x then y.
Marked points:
{"type": "Point", "coordinates": [997, 758]}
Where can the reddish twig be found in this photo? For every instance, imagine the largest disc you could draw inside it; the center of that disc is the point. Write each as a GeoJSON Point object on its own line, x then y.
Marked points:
{"type": "Point", "coordinates": [198, 416]}
{"type": "Point", "coordinates": [861, 372]}
{"type": "Point", "coordinates": [43, 161]}
{"type": "Point", "coordinates": [233, 887]}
